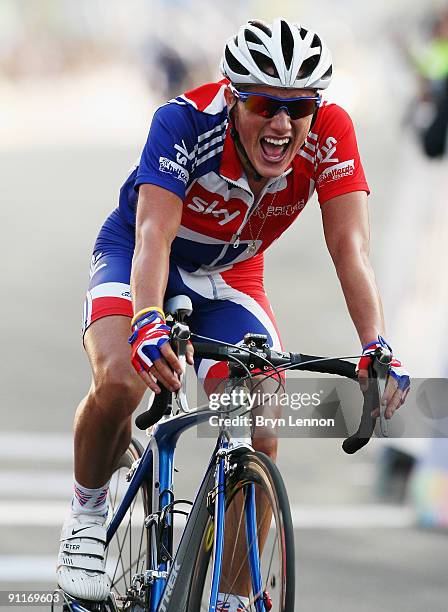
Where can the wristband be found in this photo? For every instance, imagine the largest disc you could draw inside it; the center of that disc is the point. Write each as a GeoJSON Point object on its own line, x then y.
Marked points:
{"type": "Point", "coordinates": [380, 342]}
{"type": "Point", "coordinates": [145, 311]}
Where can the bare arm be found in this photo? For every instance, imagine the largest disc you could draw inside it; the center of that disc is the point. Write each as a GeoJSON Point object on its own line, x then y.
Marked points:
{"type": "Point", "coordinates": [158, 218]}
{"type": "Point", "coordinates": [159, 214]}
{"type": "Point", "coordinates": [346, 228]}
{"type": "Point", "coordinates": [347, 234]}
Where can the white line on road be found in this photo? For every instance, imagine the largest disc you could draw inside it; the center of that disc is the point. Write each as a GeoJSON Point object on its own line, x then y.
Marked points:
{"type": "Point", "coordinates": [34, 513]}
{"type": "Point", "coordinates": [32, 568]}
{"type": "Point", "coordinates": [41, 447]}
{"type": "Point", "coordinates": [36, 568]}
{"type": "Point", "coordinates": [41, 484]}
{"type": "Point", "coordinates": [352, 516]}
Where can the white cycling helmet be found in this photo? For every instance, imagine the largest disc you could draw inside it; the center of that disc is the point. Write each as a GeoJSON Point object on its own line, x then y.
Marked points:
{"type": "Point", "coordinates": [280, 55]}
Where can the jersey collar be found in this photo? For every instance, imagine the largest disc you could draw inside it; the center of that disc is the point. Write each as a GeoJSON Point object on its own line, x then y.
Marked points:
{"type": "Point", "coordinates": [231, 167]}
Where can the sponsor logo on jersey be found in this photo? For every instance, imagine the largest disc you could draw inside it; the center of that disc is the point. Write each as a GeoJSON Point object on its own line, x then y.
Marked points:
{"type": "Point", "coordinates": [287, 210]}
{"type": "Point", "coordinates": [318, 153]}
{"type": "Point", "coordinates": [326, 152]}
{"type": "Point", "coordinates": [199, 205]}
{"type": "Point", "coordinates": [170, 167]}
{"type": "Point", "coordinates": [183, 156]}
{"type": "Point", "coordinates": [334, 173]}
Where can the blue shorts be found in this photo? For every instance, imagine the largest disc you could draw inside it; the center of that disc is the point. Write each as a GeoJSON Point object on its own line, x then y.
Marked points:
{"type": "Point", "coordinates": [226, 305]}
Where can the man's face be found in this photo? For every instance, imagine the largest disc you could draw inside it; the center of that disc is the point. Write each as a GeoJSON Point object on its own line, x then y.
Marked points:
{"type": "Point", "coordinates": [270, 144]}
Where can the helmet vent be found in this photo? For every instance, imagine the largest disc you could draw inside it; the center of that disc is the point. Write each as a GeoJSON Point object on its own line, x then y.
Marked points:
{"type": "Point", "coordinates": [252, 37]}
{"type": "Point", "coordinates": [316, 42]}
{"type": "Point", "coordinates": [303, 33]}
{"type": "Point", "coordinates": [307, 67]}
{"type": "Point", "coordinates": [287, 44]}
{"type": "Point", "coordinates": [328, 74]}
{"type": "Point", "coordinates": [265, 63]}
{"type": "Point", "coordinates": [262, 26]}
{"type": "Point", "coordinates": [234, 64]}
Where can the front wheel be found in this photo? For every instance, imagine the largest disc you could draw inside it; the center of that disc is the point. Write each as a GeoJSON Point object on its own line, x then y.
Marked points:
{"type": "Point", "coordinates": [251, 476]}
{"type": "Point", "coordinates": [127, 555]}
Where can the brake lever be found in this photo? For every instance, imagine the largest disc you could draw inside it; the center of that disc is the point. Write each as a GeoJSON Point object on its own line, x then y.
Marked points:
{"type": "Point", "coordinates": [180, 334]}
{"type": "Point", "coordinates": [381, 362]}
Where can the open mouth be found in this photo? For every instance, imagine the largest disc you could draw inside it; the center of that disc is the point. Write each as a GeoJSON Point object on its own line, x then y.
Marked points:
{"type": "Point", "coordinates": [274, 149]}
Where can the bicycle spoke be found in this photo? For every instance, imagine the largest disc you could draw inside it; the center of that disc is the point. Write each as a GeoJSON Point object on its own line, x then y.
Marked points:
{"type": "Point", "coordinates": [120, 550]}
{"type": "Point", "coordinates": [246, 557]}
{"type": "Point", "coordinates": [133, 564]}
{"type": "Point", "coordinates": [270, 563]}
{"type": "Point", "coordinates": [126, 554]}
{"type": "Point", "coordinates": [141, 544]}
{"type": "Point", "coordinates": [240, 522]}
{"type": "Point", "coordinates": [112, 511]}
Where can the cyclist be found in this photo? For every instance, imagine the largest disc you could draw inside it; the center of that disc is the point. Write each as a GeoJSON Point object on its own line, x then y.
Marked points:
{"type": "Point", "coordinates": [226, 169]}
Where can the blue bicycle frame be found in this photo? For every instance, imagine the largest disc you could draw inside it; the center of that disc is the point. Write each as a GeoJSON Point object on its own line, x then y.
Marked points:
{"type": "Point", "coordinates": [158, 461]}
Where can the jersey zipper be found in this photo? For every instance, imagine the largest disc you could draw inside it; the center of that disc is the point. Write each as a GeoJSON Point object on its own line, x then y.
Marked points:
{"type": "Point", "coordinates": [235, 240]}
{"type": "Point", "coordinates": [226, 246]}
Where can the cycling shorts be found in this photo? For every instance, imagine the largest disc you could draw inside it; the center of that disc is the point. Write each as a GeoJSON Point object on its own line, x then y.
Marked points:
{"type": "Point", "coordinates": [226, 305]}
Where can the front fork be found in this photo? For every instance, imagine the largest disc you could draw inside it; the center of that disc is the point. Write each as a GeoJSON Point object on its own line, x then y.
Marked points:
{"type": "Point", "coordinates": [219, 518]}
{"type": "Point", "coordinates": [250, 513]}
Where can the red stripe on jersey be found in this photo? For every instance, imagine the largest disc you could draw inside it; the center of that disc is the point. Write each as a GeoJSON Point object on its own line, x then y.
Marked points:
{"type": "Point", "coordinates": [203, 96]}
{"type": "Point", "coordinates": [231, 166]}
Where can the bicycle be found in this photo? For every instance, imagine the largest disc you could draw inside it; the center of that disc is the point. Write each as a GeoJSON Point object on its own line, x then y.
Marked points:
{"type": "Point", "coordinates": [147, 575]}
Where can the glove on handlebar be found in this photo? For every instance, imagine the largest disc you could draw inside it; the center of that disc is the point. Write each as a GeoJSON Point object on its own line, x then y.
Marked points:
{"type": "Point", "coordinates": [150, 333]}
{"type": "Point", "coordinates": [396, 369]}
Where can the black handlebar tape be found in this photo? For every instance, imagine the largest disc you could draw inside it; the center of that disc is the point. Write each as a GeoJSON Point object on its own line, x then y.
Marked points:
{"type": "Point", "coordinates": [330, 366]}
{"type": "Point", "coordinates": [367, 425]}
{"type": "Point", "coordinates": [160, 407]}
{"type": "Point", "coordinates": [209, 350]}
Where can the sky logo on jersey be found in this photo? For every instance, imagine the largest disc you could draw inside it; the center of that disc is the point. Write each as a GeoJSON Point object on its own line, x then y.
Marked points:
{"type": "Point", "coordinates": [169, 167]}
{"type": "Point", "coordinates": [199, 205]}
{"type": "Point", "coordinates": [319, 153]}
{"type": "Point", "coordinates": [325, 152]}
{"type": "Point", "coordinates": [334, 173]}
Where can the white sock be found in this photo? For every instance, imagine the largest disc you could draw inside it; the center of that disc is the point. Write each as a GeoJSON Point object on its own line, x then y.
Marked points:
{"type": "Point", "coordinates": [90, 501]}
{"type": "Point", "coordinates": [232, 603]}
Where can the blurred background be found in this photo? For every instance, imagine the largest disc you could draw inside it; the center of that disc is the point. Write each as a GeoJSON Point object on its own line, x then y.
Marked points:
{"type": "Point", "coordinates": [79, 82]}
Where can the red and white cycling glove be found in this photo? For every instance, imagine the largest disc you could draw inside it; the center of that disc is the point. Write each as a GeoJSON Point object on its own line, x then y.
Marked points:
{"type": "Point", "coordinates": [149, 334]}
{"type": "Point", "coordinates": [396, 369]}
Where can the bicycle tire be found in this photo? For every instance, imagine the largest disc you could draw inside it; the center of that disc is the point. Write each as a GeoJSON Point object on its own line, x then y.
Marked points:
{"type": "Point", "coordinates": [258, 469]}
{"type": "Point", "coordinates": [133, 552]}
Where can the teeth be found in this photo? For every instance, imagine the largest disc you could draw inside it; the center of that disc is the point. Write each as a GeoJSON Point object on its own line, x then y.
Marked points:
{"type": "Point", "coordinates": [277, 141]}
